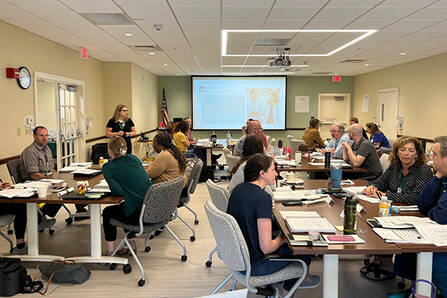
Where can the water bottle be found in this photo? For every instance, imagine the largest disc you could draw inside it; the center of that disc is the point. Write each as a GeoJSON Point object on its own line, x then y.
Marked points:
{"type": "Point", "coordinates": [213, 137]}
{"type": "Point", "coordinates": [349, 224]}
{"type": "Point", "coordinates": [229, 137]}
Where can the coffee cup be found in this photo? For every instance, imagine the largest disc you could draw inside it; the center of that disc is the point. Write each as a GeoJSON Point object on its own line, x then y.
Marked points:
{"type": "Point", "coordinates": [42, 191]}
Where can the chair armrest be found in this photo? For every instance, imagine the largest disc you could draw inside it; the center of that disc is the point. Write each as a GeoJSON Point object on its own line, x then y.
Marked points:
{"type": "Point", "coordinates": [140, 221]}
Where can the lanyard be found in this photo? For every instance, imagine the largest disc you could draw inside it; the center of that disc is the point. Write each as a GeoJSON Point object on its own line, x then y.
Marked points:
{"type": "Point", "coordinates": [402, 182]}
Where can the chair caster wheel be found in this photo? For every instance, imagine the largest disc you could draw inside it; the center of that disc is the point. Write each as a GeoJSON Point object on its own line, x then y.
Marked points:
{"type": "Point", "coordinates": [208, 264]}
{"type": "Point", "coordinates": [147, 249]}
{"type": "Point", "coordinates": [69, 221]}
{"type": "Point", "coordinates": [10, 232]}
{"type": "Point", "coordinates": [11, 250]}
{"type": "Point", "coordinates": [192, 238]}
{"type": "Point", "coordinates": [112, 266]}
{"type": "Point", "coordinates": [184, 258]}
{"type": "Point", "coordinates": [141, 282]}
{"type": "Point", "coordinates": [127, 269]}
{"type": "Point", "coordinates": [196, 222]}
{"type": "Point", "coordinates": [50, 231]}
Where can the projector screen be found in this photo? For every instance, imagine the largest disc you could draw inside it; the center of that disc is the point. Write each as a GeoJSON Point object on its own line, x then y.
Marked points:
{"type": "Point", "coordinates": [227, 102]}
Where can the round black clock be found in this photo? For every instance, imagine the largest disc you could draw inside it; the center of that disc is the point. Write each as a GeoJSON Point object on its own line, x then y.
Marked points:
{"type": "Point", "coordinates": [24, 79]}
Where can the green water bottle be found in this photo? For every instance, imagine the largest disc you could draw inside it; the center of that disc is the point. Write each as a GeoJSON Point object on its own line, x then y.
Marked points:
{"type": "Point", "coordinates": [349, 225]}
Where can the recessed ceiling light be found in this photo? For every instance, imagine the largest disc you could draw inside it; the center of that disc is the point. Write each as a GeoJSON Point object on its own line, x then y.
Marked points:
{"type": "Point", "coordinates": [165, 64]}
{"type": "Point", "coordinates": [151, 53]}
{"type": "Point", "coordinates": [403, 54]}
{"type": "Point", "coordinates": [128, 34]}
{"type": "Point", "coordinates": [366, 64]}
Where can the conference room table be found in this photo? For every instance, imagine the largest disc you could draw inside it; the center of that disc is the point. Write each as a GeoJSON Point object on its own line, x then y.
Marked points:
{"type": "Point", "coordinates": [94, 207]}
{"type": "Point", "coordinates": [374, 244]}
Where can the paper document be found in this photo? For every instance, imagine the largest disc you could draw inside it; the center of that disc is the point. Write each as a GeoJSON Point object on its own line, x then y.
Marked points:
{"type": "Point", "coordinates": [68, 169]}
{"type": "Point", "coordinates": [346, 182]}
{"type": "Point", "coordinates": [436, 234]}
{"type": "Point", "coordinates": [31, 184]}
{"type": "Point", "coordinates": [17, 193]}
{"type": "Point", "coordinates": [286, 162]}
{"type": "Point", "coordinates": [326, 199]}
{"type": "Point", "coordinates": [367, 198]}
{"type": "Point", "coordinates": [52, 181]}
{"type": "Point", "coordinates": [354, 190]}
{"type": "Point", "coordinates": [300, 214]}
{"type": "Point", "coordinates": [295, 195]}
{"type": "Point", "coordinates": [403, 222]}
{"type": "Point", "coordinates": [302, 225]}
{"type": "Point", "coordinates": [316, 163]}
{"type": "Point", "coordinates": [85, 171]}
{"type": "Point", "coordinates": [401, 236]}
{"type": "Point", "coordinates": [81, 164]}
{"type": "Point", "coordinates": [283, 188]}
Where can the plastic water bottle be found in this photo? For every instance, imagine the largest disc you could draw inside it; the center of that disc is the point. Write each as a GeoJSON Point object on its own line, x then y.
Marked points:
{"type": "Point", "coordinates": [229, 137]}
{"type": "Point", "coordinates": [350, 217]}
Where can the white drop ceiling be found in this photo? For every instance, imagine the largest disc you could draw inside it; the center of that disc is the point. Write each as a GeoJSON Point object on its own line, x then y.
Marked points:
{"type": "Point", "coordinates": [190, 40]}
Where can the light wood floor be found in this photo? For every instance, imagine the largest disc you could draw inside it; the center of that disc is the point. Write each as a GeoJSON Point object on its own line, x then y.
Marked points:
{"type": "Point", "coordinates": [166, 275]}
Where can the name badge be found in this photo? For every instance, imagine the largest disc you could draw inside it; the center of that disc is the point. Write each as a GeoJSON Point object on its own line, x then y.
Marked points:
{"type": "Point", "coordinates": [399, 190]}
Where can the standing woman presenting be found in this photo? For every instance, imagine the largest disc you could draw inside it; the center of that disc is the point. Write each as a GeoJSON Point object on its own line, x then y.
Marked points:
{"type": "Point", "coordinates": [121, 125]}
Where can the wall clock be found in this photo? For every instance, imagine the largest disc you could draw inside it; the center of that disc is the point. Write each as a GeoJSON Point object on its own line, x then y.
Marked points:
{"type": "Point", "coordinates": [24, 79]}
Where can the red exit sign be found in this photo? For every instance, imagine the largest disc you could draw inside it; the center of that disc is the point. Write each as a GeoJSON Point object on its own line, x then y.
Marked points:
{"type": "Point", "coordinates": [336, 78]}
{"type": "Point", "coordinates": [84, 54]}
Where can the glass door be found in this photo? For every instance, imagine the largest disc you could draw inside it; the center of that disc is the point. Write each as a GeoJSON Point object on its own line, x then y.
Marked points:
{"type": "Point", "coordinates": [69, 133]}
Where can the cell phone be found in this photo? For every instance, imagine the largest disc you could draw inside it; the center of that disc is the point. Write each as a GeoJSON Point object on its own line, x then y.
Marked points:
{"type": "Point", "coordinates": [374, 223]}
{"type": "Point", "coordinates": [292, 203]}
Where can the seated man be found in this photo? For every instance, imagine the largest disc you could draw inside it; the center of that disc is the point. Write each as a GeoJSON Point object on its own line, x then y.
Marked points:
{"type": "Point", "coordinates": [338, 138]}
{"type": "Point", "coordinates": [252, 129]}
{"type": "Point", "coordinates": [251, 206]}
{"type": "Point", "coordinates": [355, 120]}
{"type": "Point", "coordinates": [36, 162]}
{"type": "Point", "coordinates": [433, 202]}
{"type": "Point", "coordinates": [361, 154]}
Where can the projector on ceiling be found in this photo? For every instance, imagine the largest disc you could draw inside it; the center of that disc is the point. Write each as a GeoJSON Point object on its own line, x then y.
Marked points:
{"type": "Point", "coordinates": [282, 60]}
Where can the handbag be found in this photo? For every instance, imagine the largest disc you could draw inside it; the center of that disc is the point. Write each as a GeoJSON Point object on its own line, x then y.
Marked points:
{"type": "Point", "coordinates": [433, 289]}
{"type": "Point", "coordinates": [14, 278]}
{"type": "Point", "coordinates": [64, 272]}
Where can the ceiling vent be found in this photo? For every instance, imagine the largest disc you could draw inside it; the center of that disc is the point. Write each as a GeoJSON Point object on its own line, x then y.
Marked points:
{"type": "Point", "coordinates": [108, 18]}
{"type": "Point", "coordinates": [353, 61]}
{"type": "Point", "coordinates": [142, 48]}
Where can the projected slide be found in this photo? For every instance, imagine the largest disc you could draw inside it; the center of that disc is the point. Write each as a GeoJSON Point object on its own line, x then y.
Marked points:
{"type": "Point", "coordinates": [227, 102]}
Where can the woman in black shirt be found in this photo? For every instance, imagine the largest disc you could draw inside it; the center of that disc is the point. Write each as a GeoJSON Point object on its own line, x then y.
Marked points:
{"type": "Point", "coordinates": [121, 125]}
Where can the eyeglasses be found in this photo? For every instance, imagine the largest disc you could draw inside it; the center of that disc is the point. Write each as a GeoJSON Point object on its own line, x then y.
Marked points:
{"type": "Point", "coordinates": [124, 111]}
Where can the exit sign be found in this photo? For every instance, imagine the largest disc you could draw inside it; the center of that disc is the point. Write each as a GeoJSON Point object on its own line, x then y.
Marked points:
{"type": "Point", "coordinates": [84, 54]}
{"type": "Point", "coordinates": [336, 78]}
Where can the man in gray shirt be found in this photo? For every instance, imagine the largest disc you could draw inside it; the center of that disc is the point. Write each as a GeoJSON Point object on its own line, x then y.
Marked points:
{"type": "Point", "coordinates": [361, 154]}
{"type": "Point", "coordinates": [252, 129]}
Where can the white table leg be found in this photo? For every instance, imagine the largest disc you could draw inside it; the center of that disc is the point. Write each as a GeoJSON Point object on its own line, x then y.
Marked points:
{"type": "Point", "coordinates": [330, 276]}
{"type": "Point", "coordinates": [95, 241]}
{"type": "Point", "coordinates": [424, 271]}
{"type": "Point", "coordinates": [33, 238]}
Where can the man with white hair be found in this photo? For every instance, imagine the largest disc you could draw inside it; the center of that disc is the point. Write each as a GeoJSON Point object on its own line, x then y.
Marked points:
{"type": "Point", "coordinates": [338, 138]}
{"type": "Point", "coordinates": [361, 154]}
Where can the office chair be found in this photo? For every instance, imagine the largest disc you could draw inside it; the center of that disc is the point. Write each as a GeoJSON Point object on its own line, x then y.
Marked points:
{"type": "Point", "coordinates": [233, 251]}
{"type": "Point", "coordinates": [219, 197]}
{"type": "Point", "coordinates": [160, 202]}
{"type": "Point", "coordinates": [6, 220]}
{"type": "Point", "coordinates": [294, 145]}
{"type": "Point", "coordinates": [230, 158]}
{"type": "Point", "coordinates": [384, 161]}
{"type": "Point", "coordinates": [14, 171]}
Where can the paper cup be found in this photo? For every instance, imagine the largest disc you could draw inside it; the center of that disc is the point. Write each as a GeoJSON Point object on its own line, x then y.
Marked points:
{"type": "Point", "coordinates": [298, 157]}
{"type": "Point", "coordinates": [42, 191]}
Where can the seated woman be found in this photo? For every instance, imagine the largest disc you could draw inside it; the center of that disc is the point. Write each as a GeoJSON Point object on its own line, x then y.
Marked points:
{"type": "Point", "coordinates": [169, 164]}
{"type": "Point", "coordinates": [402, 182]}
{"type": "Point", "coordinates": [126, 177]}
{"type": "Point", "coordinates": [252, 207]}
{"type": "Point", "coordinates": [312, 136]}
{"type": "Point", "coordinates": [376, 136]}
{"type": "Point", "coordinates": [179, 137]}
{"type": "Point", "coordinates": [252, 145]}
{"type": "Point", "coordinates": [19, 212]}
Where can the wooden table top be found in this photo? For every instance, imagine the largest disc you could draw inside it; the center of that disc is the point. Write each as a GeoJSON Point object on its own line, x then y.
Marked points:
{"type": "Point", "coordinates": [306, 167]}
{"type": "Point", "coordinates": [54, 199]}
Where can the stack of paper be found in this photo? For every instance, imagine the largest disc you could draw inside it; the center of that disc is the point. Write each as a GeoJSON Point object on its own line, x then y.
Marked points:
{"type": "Point", "coordinates": [307, 224]}
{"type": "Point", "coordinates": [84, 171]}
{"type": "Point", "coordinates": [52, 181]}
{"type": "Point", "coordinates": [282, 162]}
{"type": "Point", "coordinates": [102, 186]}
{"type": "Point", "coordinates": [76, 166]}
{"type": "Point", "coordinates": [31, 184]}
{"type": "Point", "coordinates": [283, 188]}
{"type": "Point", "coordinates": [401, 236]}
{"type": "Point", "coordinates": [300, 214]}
{"type": "Point", "coordinates": [436, 234]}
{"type": "Point", "coordinates": [403, 222]}
{"type": "Point", "coordinates": [17, 193]}
{"type": "Point", "coordinates": [354, 190]}
{"type": "Point", "coordinates": [296, 195]}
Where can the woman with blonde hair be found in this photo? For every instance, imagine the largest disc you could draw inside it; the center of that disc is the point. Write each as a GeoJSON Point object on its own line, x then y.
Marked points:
{"type": "Point", "coordinates": [126, 177]}
{"type": "Point", "coordinates": [121, 125]}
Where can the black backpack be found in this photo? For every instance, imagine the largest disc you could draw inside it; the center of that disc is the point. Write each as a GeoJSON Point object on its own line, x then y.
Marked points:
{"type": "Point", "coordinates": [14, 278]}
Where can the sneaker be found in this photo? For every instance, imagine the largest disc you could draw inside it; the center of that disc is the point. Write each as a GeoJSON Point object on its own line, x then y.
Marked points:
{"type": "Point", "coordinates": [20, 251]}
{"type": "Point", "coordinates": [125, 250]}
{"type": "Point", "coordinates": [46, 223]}
{"type": "Point", "coordinates": [312, 282]}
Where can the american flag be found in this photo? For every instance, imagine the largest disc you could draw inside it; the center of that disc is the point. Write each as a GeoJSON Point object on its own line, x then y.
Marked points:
{"type": "Point", "coordinates": [164, 109]}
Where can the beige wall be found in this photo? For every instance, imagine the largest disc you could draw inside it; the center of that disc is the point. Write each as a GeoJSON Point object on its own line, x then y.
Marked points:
{"type": "Point", "coordinates": [46, 113]}
{"type": "Point", "coordinates": [422, 95]}
{"type": "Point", "coordinates": [117, 88]}
{"type": "Point", "coordinates": [144, 99]}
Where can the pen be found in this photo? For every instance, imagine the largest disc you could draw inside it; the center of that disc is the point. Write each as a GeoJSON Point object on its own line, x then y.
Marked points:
{"type": "Point", "coordinates": [378, 194]}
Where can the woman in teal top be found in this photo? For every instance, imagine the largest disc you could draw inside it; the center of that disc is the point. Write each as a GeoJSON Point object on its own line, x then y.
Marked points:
{"type": "Point", "coordinates": [126, 177]}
